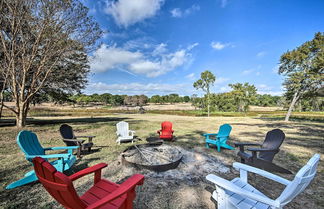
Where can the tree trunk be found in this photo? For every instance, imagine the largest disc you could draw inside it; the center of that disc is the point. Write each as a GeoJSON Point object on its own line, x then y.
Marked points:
{"type": "Point", "coordinates": [292, 104]}
{"type": "Point", "coordinates": [21, 115]}
{"type": "Point", "coordinates": [1, 108]}
{"type": "Point", "coordinates": [208, 101]}
{"type": "Point", "coordinates": [1, 103]}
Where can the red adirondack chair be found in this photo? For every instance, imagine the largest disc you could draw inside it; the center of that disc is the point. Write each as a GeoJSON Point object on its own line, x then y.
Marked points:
{"type": "Point", "coordinates": [166, 131]}
{"type": "Point", "coordinates": [103, 194]}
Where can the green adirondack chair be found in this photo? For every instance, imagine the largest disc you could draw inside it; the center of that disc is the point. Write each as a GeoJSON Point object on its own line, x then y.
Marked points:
{"type": "Point", "coordinates": [220, 138]}
{"type": "Point", "coordinates": [29, 144]}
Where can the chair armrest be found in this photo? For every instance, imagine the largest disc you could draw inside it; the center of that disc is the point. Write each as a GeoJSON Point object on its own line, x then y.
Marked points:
{"type": "Point", "coordinates": [240, 166]}
{"type": "Point", "coordinates": [239, 144]}
{"type": "Point", "coordinates": [87, 171]}
{"type": "Point", "coordinates": [209, 134]}
{"type": "Point", "coordinates": [49, 156]}
{"type": "Point", "coordinates": [262, 150]}
{"type": "Point", "coordinates": [130, 183]}
{"type": "Point", "coordinates": [61, 148]}
{"type": "Point", "coordinates": [89, 137]}
{"type": "Point", "coordinates": [132, 131]}
{"type": "Point", "coordinates": [74, 140]}
{"type": "Point", "coordinates": [223, 183]}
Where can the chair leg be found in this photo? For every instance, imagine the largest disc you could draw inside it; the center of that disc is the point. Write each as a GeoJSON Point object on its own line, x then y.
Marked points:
{"type": "Point", "coordinates": [218, 147]}
{"type": "Point", "coordinates": [227, 146]}
{"type": "Point", "coordinates": [28, 179]}
{"type": "Point", "coordinates": [207, 145]}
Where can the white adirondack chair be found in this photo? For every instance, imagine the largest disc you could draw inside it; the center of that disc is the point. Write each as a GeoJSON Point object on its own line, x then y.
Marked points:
{"type": "Point", "coordinates": [123, 133]}
{"type": "Point", "coordinates": [239, 194]}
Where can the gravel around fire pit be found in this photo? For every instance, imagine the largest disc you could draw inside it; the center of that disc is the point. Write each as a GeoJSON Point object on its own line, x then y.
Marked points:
{"type": "Point", "coordinates": [193, 166]}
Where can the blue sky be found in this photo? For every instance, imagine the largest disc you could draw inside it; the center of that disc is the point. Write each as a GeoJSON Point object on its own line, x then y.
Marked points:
{"type": "Point", "coordinates": [162, 46]}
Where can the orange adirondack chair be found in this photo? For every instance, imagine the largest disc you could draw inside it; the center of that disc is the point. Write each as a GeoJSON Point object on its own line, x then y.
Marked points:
{"type": "Point", "coordinates": [166, 131]}
{"type": "Point", "coordinates": [103, 194]}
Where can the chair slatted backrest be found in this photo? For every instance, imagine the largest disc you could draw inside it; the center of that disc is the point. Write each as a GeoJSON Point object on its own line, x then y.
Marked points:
{"type": "Point", "coordinates": [57, 184]}
{"type": "Point", "coordinates": [224, 130]}
{"type": "Point", "coordinates": [302, 179]}
{"type": "Point", "coordinates": [123, 129]}
{"type": "Point", "coordinates": [166, 128]}
{"type": "Point", "coordinates": [273, 140]}
{"type": "Point", "coordinates": [67, 133]}
{"type": "Point", "coordinates": [29, 143]}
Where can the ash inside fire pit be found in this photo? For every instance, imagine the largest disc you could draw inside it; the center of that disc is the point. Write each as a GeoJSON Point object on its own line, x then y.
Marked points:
{"type": "Point", "coordinates": [154, 157]}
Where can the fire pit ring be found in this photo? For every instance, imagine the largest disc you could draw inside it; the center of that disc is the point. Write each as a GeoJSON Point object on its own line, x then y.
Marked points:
{"type": "Point", "coordinates": [142, 149]}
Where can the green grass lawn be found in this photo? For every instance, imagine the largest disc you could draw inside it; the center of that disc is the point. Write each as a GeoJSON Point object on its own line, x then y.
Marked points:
{"type": "Point", "coordinates": [303, 139]}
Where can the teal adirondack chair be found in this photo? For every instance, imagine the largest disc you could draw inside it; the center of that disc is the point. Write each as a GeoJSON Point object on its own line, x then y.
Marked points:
{"type": "Point", "coordinates": [29, 144]}
{"type": "Point", "coordinates": [220, 138]}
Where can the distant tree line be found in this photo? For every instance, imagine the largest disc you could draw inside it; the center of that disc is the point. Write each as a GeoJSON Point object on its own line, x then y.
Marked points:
{"type": "Point", "coordinates": [236, 100]}
{"type": "Point", "coordinates": [243, 95]}
{"type": "Point", "coordinates": [171, 98]}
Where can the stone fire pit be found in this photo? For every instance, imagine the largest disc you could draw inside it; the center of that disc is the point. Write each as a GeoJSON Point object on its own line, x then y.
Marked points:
{"type": "Point", "coordinates": [153, 156]}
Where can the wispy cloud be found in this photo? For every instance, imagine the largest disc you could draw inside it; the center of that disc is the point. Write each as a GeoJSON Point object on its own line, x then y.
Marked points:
{"type": "Point", "coordinates": [247, 72]}
{"type": "Point", "coordinates": [178, 13]}
{"type": "Point", "coordinates": [190, 76]}
{"type": "Point", "coordinates": [219, 45]}
{"type": "Point", "coordinates": [128, 12]}
{"type": "Point", "coordinates": [261, 54]}
{"type": "Point", "coordinates": [225, 89]}
{"type": "Point", "coordinates": [275, 69]}
{"type": "Point", "coordinates": [151, 64]}
{"type": "Point", "coordinates": [137, 88]}
{"type": "Point", "coordinates": [221, 80]}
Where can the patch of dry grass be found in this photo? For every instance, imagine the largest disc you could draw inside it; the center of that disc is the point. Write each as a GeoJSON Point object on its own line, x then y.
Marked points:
{"type": "Point", "coordinates": [303, 139]}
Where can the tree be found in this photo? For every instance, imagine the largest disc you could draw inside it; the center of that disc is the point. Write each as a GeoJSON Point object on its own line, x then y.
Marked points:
{"type": "Point", "coordinates": [44, 46]}
{"type": "Point", "coordinates": [244, 95]}
{"type": "Point", "coordinates": [186, 99]}
{"type": "Point", "coordinates": [206, 80]}
{"type": "Point", "coordinates": [304, 70]}
{"type": "Point", "coordinates": [155, 99]}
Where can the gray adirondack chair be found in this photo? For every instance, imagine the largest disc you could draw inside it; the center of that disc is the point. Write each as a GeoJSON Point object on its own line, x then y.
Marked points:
{"type": "Point", "coordinates": [71, 140]}
{"type": "Point", "coordinates": [262, 157]}
{"type": "Point", "coordinates": [238, 193]}
{"type": "Point", "coordinates": [123, 133]}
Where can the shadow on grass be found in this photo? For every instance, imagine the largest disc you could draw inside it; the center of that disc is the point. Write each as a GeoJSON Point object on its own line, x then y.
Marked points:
{"type": "Point", "coordinates": [41, 122]}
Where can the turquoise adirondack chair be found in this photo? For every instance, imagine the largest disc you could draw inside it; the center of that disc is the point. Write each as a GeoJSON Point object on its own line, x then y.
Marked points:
{"type": "Point", "coordinates": [29, 144]}
{"type": "Point", "coordinates": [220, 138]}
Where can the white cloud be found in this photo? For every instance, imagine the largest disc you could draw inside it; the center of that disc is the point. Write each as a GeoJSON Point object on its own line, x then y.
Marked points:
{"type": "Point", "coordinates": [265, 89]}
{"type": "Point", "coordinates": [247, 72]}
{"type": "Point", "coordinates": [112, 57]}
{"type": "Point", "coordinates": [225, 89]}
{"type": "Point", "coordinates": [275, 69]}
{"type": "Point", "coordinates": [177, 12]}
{"type": "Point", "coordinates": [190, 76]}
{"type": "Point", "coordinates": [128, 12]}
{"type": "Point", "coordinates": [159, 49]}
{"type": "Point", "coordinates": [220, 46]}
{"type": "Point", "coordinates": [221, 80]}
{"type": "Point", "coordinates": [192, 46]}
{"type": "Point", "coordinates": [109, 57]}
{"type": "Point", "coordinates": [261, 54]}
{"type": "Point", "coordinates": [137, 88]}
